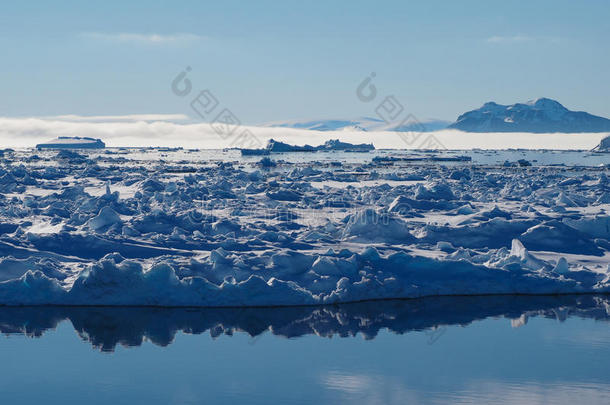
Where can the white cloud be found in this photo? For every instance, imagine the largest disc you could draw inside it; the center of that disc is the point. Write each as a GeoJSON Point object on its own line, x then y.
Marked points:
{"type": "Point", "coordinates": [520, 38]}
{"type": "Point", "coordinates": [140, 38]}
{"type": "Point", "coordinates": [378, 388]}
{"type": "Point", "coordinates": [27, 132]}
{"type": "Point", "coordinates": [509, 39]}
{"type": "Point", "coordinates": [119, 118]}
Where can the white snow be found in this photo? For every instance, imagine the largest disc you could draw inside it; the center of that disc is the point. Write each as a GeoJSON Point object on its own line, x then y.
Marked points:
{"type": "Point", "coordinates": [212, 228]}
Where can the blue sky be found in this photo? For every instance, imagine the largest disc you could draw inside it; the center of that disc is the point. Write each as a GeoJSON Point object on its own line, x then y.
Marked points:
{"type": "Point", "coordinates": [291, 59]}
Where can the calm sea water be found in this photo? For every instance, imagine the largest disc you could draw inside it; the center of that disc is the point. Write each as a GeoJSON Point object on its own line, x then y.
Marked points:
{"type": "Point", "coordinates": [446, 350]}
{"type": "Point", "coordinates": [414, 157]}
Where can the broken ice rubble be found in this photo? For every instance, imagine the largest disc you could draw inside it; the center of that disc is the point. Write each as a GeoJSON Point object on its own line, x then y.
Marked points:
{"type": "Point", "coordinates": [190, 228]}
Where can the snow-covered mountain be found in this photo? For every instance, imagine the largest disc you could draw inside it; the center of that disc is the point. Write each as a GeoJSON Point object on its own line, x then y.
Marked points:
{"type": "Point", "coordinates": [537, 116]}
{"type": "Point", "coordinates": [361, 124]}
{"type": "Point", "coordinates": [540, 116]}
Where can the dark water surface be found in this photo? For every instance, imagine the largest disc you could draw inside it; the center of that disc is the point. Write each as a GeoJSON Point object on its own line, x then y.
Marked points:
{"type": "Point", "coordinates": [436, 350]}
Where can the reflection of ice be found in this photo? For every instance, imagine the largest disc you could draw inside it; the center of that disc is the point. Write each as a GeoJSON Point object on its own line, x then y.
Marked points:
{"type": "Point", "coordinates": [107, 327]}
{"type": "Point", "coordinates": [434, 334]}
{"type": "Point", "coordinates": [519, 322]}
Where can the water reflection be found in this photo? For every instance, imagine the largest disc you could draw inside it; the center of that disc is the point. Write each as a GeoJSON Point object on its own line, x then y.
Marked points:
{"type": "Point", "coordinates": [107, 327]}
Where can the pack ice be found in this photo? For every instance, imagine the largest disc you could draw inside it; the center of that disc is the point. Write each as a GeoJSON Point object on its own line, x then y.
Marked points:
{"type": "Point", "coordinates": [174, 227]}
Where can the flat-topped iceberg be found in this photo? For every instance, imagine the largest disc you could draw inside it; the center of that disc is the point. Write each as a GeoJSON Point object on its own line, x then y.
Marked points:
{"type": "Point", "coordinates": [72, 142]}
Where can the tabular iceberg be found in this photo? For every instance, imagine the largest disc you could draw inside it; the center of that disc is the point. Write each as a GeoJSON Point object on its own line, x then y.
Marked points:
{"type": "Point", "coordinates": [72, 142]}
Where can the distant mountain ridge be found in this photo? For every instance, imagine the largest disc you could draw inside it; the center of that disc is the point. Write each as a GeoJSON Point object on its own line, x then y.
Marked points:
{"type": "Point", "coordinates": [538, 116]}
{"type": "Point", "coordinates": [360, 124]}
{"type": "Point", "coordinates": [542, 115]}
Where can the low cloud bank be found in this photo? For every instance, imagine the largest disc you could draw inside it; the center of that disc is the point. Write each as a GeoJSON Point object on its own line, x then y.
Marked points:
{"type": "Point", "coordinates": [173, 130]}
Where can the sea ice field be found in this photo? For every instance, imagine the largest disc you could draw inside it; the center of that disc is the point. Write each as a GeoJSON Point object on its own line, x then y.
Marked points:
{"type": "Point", "coordinates": [186, 227]}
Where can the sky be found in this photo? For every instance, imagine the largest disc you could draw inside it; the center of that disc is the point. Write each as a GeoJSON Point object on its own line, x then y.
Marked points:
{"type": "Point", "coordinates": [269, 61]}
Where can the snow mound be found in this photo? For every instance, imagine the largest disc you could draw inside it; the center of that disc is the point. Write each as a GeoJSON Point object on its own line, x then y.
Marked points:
{"type": "Point", "coordinates": [370, 225]}
{"type": "Point", "coordinates": [106, 218]}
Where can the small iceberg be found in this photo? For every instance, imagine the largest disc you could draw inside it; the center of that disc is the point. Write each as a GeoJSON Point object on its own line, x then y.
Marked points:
{"type": "Point", "coordinates": [72, 142]}
{"type": "Point", "coordinates": [274, 146]}
{"type": "Point", "coordinates": [335, 144]}
{"type": "Point", "coordinates": [604, 145]}
{"type": "Point", "coordinates": [277, 146]}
